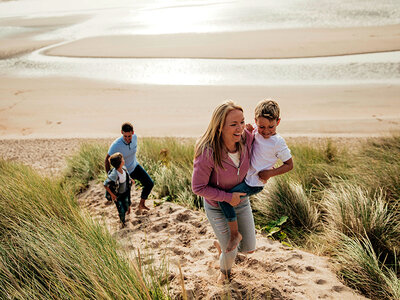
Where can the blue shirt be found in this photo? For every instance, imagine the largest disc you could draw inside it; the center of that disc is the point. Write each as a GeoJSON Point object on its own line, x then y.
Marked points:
{"type": "Point", "coordinates": [127, 150]}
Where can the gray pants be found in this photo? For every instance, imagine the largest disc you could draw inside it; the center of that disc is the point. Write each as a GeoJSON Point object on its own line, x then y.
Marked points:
{"type": "Point", "coordinates": [221, 229]}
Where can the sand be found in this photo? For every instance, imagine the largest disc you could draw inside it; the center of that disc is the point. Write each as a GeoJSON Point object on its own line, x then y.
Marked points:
{"type": "Point", "coordinates": [173, 235]}
{"type": "Point", "coordinates": [57, 107]}
{"type": "Point", "coordinates": [54, 107]}
{"type": "Point", "coordinates": [279, 43]}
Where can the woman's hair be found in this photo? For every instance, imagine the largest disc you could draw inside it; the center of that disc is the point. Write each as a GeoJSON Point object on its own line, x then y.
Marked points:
{"type": "Point", "coordinates": [212, 137]}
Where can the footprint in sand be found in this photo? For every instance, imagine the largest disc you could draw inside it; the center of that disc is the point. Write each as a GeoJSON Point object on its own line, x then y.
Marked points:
{"type": "Point", "coordinates": [182, 217]}
{"type": "Point", "coordinates": [295, 268]}
{"type": "Point", "coordinates": [338, 289]}
{"type": "Point", "coordinates": [26, 131]}
{"type": "Point", "coordinates": [159, 227]}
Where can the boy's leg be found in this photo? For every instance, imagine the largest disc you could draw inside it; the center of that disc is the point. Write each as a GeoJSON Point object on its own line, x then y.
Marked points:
{"type": "Point", "coordinates": [230, 215]}
{"type": "Point", "coordinates": [125, 203]}
{"type": "Point", "coordinates": [252, 190]}
{"type": "Point", "coordinates": [140, 174]}
{"type": "Point", "coordinates": [121, 209]}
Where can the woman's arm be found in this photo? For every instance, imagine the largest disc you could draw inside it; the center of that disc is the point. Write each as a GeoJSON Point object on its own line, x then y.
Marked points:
{"type": "Point", "coordinates": [202, 169]}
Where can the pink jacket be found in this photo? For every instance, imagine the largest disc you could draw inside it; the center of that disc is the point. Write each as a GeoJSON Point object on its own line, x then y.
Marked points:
{"type": "Point", "coordinates": [212, 183]}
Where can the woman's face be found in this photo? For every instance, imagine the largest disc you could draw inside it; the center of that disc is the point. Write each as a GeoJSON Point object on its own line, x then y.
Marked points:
{"type": "Point", "coordinates": [233, 127]}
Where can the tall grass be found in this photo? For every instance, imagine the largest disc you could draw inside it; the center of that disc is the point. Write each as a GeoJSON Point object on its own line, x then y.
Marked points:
{"type": "Point", "coordinates": [169, 162]}
{"type": "Point", "coordinates": [287, 198]}
{"type": "Point", "coordinates": [87, 164]}
{"type": "Point", "coordinates": [361, 267]}
{"type": "Point", "coordinates": [49, 249]}
{"type": "Point", "coordinates": [316, 165]}
{"type": "Point", "coordinates": [379, 166]}
{"type": "Point", "coordinates": [347, 200]}
{"type": "Point", "coordinates": [356, 212]}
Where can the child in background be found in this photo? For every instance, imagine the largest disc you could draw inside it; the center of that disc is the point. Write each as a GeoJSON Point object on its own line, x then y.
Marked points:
{"type": "Point", "coordinates": [267, 148]}
{"type": "Point", "coordinates": [118, 185]}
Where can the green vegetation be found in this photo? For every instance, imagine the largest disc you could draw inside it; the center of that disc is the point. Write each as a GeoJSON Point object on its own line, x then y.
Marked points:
{"type": "Point", "coordinates": [332, 192]}
{"type": "Point", "coordinates": [339, 201]}
{"type": "Point", "coordinates": [50, 250]}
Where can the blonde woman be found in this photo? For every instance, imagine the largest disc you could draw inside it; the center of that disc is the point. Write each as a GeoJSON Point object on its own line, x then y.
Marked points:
{"type": "Point", "coordinates": [222, 159]}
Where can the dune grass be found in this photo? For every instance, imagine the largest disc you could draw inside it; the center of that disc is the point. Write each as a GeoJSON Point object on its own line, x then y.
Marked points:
{"type": "Point", "coordinates": [361, 267]}
{"type": "Point", "coordinates": [332, 191]}
{"type": "Point", "coordinates": [51, 250]}
{"type": "Point", "coordinates": [338, 202]}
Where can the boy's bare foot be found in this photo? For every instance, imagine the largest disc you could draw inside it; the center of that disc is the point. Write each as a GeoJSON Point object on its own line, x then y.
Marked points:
{"type": "Point", "coordinates": [216, 244]}
{"type": "Point", "coordinates": [222, 279]}
{"type": "Point", "coordinates": [233, 242]}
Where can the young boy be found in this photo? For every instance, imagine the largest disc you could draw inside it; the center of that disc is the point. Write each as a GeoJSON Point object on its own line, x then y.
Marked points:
{"type": "Point", "coordinates": [118, 185]}
{"type": "Point", "coordinates": [268, 147]}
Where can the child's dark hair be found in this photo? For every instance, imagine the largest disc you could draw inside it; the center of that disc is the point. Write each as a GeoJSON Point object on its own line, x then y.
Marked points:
{"type": "Point", "coordinates": [268, 109]}
{"type": "Point", "coordinates": [127, 127]}
{"type": "Point", "coordinates": [116, 160]}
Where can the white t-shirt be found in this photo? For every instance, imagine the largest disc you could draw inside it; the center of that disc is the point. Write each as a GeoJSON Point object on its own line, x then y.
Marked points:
{"type": "Point", "coordinates": [235, 157]}
{"type": "Point", "coordinates": [265, 153]}
{"type": "Point", "coordinates": [122, 176]}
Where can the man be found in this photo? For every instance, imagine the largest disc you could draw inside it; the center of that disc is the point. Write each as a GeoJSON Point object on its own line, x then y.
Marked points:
{"type": "Point", "coordinates": [127, 145]}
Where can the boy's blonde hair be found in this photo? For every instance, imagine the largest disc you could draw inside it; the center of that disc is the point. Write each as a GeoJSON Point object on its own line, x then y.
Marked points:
{"type": "Point", "coordinates": [116, 159]}
{"type": "Point", "coordinates": [268, 109]}
{"type": "Point", "coordinates": [212, 138]}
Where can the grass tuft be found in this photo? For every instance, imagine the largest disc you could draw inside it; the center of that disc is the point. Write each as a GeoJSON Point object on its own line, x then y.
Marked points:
{"type": "Point", "coordinates": [50, 249]}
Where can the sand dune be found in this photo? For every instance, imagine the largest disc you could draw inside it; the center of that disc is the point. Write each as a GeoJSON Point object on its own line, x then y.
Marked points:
{"type": "Point", "coordinates": [184, 237]}
{"type": "Point", "coordinates": [180, 236]}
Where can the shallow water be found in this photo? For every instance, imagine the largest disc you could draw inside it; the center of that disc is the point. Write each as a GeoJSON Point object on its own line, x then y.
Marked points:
{"type": "Point", "coordinates": [155, 17]}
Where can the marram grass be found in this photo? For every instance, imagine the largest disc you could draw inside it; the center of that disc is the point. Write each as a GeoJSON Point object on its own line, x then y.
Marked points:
{"type": "Point", "coordinates": [361, 267]}
{"type": "Point", "coordinates": [51, 250]}
{"type": "Point", "coordinates": [347, 200]}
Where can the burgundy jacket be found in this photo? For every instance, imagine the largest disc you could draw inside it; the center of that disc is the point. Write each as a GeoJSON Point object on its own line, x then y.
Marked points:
{"type": "Point", "coordinates": [212, 182]}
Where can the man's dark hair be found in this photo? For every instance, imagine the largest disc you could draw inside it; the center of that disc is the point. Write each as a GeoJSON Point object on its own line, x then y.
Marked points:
{"type": "Point", "coordinates": [127, 127]}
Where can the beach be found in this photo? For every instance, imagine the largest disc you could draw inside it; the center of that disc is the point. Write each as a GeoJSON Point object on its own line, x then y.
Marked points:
{"type": "Point", "coordinates": [57, 81]}
{"type": "Point", "coordinates": [74, 75]}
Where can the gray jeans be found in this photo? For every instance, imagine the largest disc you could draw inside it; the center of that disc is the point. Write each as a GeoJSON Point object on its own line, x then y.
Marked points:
{"type": "Point", "coordinates": [221, 229]}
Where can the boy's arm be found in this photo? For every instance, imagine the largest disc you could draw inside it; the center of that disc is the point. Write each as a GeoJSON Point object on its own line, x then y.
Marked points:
{"type": "Point", "coordinates": [113, 196]}
{"type": "Point", "coordinates": [285, 167]}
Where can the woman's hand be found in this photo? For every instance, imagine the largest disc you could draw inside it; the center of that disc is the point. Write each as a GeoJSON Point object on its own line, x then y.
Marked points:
{"type": "Point", "coordinates": [236, 198]}
{"type": "Point", "coordinates": [249, 127]}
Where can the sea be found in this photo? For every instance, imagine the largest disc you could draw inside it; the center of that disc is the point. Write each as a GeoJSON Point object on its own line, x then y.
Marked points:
{"type": "Point", "coordinates": [154, 17]}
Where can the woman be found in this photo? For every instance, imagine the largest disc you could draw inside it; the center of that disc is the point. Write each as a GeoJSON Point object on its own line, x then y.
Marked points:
{"type": "Point", "coordinates": [222, 159]}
